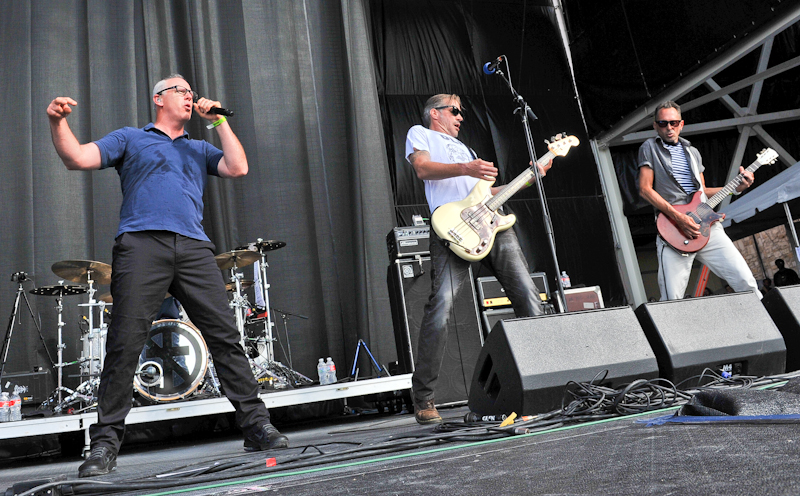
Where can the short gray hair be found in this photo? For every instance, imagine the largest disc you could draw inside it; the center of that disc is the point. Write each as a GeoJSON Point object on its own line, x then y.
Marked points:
{"type": "Point", "coordinates": [666, 105]}
{"type": "Point", "coordinates": [161, 85]}
{"type": "Point", "coordinates": [437, 101]}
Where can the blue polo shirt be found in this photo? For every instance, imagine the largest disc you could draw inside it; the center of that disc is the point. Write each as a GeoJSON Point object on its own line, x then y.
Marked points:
{"type": "Point", "coordinates": [162, 179]}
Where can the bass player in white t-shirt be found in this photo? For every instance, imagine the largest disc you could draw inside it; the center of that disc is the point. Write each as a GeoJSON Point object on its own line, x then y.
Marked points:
{"type": "Point", "coordinates": [450, 170]}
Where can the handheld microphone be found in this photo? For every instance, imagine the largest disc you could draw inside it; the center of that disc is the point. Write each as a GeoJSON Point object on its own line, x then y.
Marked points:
{"type": "Point", "coordinates": [491, 67]}
{"type": "Point", "coordinates": [221, 111]}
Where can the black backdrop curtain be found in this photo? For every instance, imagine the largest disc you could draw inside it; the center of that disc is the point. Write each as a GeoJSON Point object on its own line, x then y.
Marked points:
{"type": "Point", "coordinates": [428, 47]}
{"type": "Point", "coordinates": [300, 77]}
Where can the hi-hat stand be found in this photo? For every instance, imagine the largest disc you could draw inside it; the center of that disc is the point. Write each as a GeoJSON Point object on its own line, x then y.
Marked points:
{"type": "Point", "coordinates": [59, 291]}
{"type": "Point", "coordinates": [19, 278]}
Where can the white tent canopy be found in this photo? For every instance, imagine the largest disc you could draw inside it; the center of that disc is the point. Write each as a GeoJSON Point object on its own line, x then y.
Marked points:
{"type": "Point", "coordinates": [780, 189]}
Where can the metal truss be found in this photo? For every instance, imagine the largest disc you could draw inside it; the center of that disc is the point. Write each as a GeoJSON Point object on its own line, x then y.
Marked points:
{"type": "Point", "coordinates": [745, 119]}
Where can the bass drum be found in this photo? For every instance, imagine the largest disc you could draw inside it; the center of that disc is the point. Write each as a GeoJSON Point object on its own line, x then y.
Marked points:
{"type": "Point", "coordinates": [173, 362]}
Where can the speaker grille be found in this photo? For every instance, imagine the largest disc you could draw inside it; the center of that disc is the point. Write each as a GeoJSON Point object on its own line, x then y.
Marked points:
{"type": "Point", "coordinates": [525, 364]}
{"type": "Point", "coordinates": [409, 289]}
{"type": "Point", "coordinates": [713, 332]}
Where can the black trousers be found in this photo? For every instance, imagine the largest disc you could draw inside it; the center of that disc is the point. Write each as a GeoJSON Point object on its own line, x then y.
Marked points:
{"type": "Point", "coordinates": [145, 266]}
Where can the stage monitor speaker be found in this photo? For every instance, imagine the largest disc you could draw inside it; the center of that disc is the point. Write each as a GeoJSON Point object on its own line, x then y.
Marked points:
{"type": "Point", "coordinates": [526, 364]}
{"type": "Point", "coordinates": [783, 305]}
{"type": "Point", "coordinates": [409, 283]}
{"type": "Point", "coordinates": [725, 333]}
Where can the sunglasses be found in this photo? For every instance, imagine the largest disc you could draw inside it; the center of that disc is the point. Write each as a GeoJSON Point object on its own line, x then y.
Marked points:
{"type": "Point", "coordinates": [453, 109]}
{"type": "Point", "coordinates": [671, 123]}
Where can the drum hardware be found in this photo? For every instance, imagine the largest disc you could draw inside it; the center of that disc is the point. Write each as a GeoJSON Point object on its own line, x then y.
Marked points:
{"type": "Point", "coordinates": [59, 291]}
{"type": "Point", "coordinates": [261, 247]}
{"type": "Point", "coordinates": [89, 272]}
{"type": "Point", "coordinates": [151, 374]}
{"type": "Point", "coordinates": [173, 362]}
{"type": "Point", "coordinates": [94, 340]}
{"type": "Point", "coordinates": [265, 367]}
{"type": "Point", "coordinates": [211, 383]}
{"type": "Point", "coordinates": [285, 318]}
{"type": "Point", "coordinates": [232, 261]}
{"type": "Point", "coordinates": [20, 278]}
{"type": "Point", "coordinates": [244, 283]}
{"type": "Point", "coordinates": [84, 393]}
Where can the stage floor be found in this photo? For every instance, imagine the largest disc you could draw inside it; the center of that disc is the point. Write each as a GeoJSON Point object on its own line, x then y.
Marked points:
{"type": "Point", "coordinates": [616, 456]}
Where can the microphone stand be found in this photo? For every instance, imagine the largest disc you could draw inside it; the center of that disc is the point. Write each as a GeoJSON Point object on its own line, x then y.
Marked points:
{"type": "Point", "coordinates": [525, 113]}
{"type": "Point", "coordinates": [284, 317]}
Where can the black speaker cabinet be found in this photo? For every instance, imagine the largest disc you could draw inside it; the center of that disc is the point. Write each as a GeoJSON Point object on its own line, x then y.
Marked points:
{"type": "Point", "coordinates": [409, 288]}
{"type": "Point", "coordinates": [783, 305]}
{"type": "Point", "coordinates": [726, 333]}
{"type": "Point", "coordinates": [491, 316]}
{"type": "Point", "coordinates": [525, 364]}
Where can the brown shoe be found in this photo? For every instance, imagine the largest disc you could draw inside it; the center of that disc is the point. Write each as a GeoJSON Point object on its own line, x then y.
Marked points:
{"type": "Point", "coordinates": [426, 413]}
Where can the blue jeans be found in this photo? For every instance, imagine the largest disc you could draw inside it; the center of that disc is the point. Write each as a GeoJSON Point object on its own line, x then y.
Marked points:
{"type": "Point", "coordinates": [448, 273]}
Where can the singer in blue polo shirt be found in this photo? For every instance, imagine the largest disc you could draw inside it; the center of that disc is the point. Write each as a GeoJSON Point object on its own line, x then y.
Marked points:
{"type": "Point", "coordinates": [161, 247]}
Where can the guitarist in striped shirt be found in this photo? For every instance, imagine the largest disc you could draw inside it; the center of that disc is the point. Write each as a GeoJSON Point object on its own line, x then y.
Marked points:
{"type": "Point", "coordinates": [670, 171]}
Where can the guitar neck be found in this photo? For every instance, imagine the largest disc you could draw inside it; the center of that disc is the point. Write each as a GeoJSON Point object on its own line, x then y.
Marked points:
{"type": "Point", "coordinates": [511, 188]}
{"type": "Point", "coordinates": [731, 186]}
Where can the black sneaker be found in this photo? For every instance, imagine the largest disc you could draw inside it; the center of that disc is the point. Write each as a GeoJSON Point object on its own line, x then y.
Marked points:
{"type": "Point", "coordinates": [101, 461]}
{"type": "Point", "coordinates": [264, 437]}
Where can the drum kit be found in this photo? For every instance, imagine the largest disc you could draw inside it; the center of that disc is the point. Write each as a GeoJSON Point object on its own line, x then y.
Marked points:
{"type": "Point", "coordinates": [175, 363]}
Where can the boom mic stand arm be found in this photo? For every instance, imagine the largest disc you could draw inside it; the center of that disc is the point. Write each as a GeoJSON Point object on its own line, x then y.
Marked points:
{"type": "Point", "coordinates": [525, 113]}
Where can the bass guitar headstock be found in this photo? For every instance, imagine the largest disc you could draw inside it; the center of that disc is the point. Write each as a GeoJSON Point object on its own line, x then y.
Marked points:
{"type": "Point", "coordinates": [560, 144]}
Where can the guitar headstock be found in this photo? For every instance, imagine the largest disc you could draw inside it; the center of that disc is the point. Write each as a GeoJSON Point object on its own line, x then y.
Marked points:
{"type": "Point", "coordinates": [767, 156]}
{"type": "Point", "coordinates": [560, 144]}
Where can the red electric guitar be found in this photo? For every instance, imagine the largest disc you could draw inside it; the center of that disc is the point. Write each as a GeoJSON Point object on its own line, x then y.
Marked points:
{"type": "Point", "coordinates": [703, 212]}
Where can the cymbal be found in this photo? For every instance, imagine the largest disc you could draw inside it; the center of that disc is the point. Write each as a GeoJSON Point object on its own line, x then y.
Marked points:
{"type": "Point", "coordinates": [246, 283]}
{"type": "Point", "coordinates": [240, 258]}
{"type": "Point", "coordinates": [59, 290]}
{"type": "Point", "coordinates": [79, 270]}
{"type": "Point", "coordinates": [263, 245]}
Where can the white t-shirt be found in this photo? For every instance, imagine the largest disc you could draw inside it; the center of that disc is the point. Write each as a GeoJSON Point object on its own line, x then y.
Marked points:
{"type": "Point", "coordinates": [447, 150]}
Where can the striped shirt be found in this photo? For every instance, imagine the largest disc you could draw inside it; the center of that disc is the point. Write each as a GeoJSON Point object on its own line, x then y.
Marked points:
{"type": "Point", "coordinates": [680, 167]}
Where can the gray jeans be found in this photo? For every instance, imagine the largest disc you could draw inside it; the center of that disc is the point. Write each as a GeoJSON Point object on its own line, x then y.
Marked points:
{"type": "Point", "coordinates": [448, 273]}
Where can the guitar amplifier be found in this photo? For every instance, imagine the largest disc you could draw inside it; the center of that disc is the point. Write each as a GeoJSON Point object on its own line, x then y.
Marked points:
{"type": "Point", "coordinates": [408, 241]}
{"type": "Point", "coordinates": [491, 294]}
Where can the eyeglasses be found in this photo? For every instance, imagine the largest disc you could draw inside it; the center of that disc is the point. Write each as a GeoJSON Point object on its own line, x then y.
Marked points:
{"type": "Point", "coordinates": [671, 123]}
{"type": "Point", "coordinates": [181, 91]}
{"type": "Point", "coordinates": [453, 109]}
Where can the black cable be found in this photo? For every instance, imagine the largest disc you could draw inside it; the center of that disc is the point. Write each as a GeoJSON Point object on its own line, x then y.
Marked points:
{"type": "Point", "coordinates": [587, 402]}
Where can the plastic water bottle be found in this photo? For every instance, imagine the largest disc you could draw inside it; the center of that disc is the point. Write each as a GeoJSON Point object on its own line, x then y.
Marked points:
{"type": "Point", "coordinates": [322, 371]}
{"type": "Point", "coordinates": [565, 279]}
{"type": "Point", "coordinates": [5, 407]}
{"type": "Point", "coordinates": [15, 405]}
{"type": "Point", "coordinates": [331, 371]}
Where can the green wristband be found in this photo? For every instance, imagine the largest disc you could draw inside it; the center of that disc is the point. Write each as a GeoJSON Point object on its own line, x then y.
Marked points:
{"type": "Point", "coordinates": [217, 122]}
